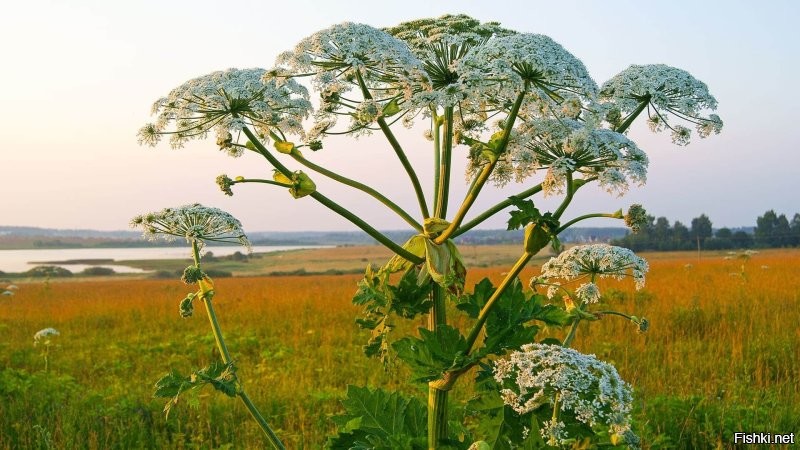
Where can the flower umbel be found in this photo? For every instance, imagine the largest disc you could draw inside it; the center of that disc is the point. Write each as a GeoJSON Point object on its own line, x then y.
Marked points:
{"type": "Point", "coordinates": [579, 386]}
{"type": "Point", "coordinates": [601, 260]}
{"type": "Point", "coordinates": [226, 102]}
{"type": "Point", "coordinates": [195, 223]}
{"type": "Point", "coordinates": [666, 92]}
{"type": "Point", "coordinates": [43, 337]}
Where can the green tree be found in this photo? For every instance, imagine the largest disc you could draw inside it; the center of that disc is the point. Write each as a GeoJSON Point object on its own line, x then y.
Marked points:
{"type": "Point", "coordinates": [701, 228]}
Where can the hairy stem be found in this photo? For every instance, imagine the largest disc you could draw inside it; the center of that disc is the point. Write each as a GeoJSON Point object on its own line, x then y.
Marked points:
{"type": "Point", "coordinates": [226, 356]}
{"type": "Point", "coordinates": [437, 157]}
{"type": "Point", "coordinates": [437, 416]}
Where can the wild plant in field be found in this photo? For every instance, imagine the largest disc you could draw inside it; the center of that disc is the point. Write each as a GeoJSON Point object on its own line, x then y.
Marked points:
{"type": "Point", "coordinates": [44, 339]}
{"type": "Point", "coordinates": [523, 109]}
{"type": "Point", "coordinates": [198, 224]}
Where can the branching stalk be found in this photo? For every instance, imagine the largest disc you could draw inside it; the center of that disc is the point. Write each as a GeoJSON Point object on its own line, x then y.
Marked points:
{"type": "Point", "coordinates": [398, 149]}
{"type": "Point", "coordinates": [472, 194]}
{"type": "Point", "coordinates": [360, 186]}
{"type": "Point", "coordinates": [335, 207]}
{"type": "Point", "coordinates": [226, 356]}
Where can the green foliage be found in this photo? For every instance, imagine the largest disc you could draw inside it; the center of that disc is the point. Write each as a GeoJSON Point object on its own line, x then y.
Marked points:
{"type": "Point", "coordinates": [220, 376]}
{"type": "Point", "coordinates": [380, 420]}
{"type": "Point", "coordinates": [381, 299]}
{"type": "Point", "coordinates": [435, 353]}
{"type": "Point", "coordinates": [509, 326]}
{"type": "Point", "coordinates": [497, 424]}
{"type": "Point", "coordinates": [527, 213]}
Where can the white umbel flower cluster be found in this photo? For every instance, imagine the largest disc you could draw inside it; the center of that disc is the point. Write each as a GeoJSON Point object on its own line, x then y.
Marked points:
{"type": "Point", "coordinates": [501, 68]}
{"type": "Point", "coordinates": [611, 157]}
{"type": "Point", "coordinates": [340, 57]}
{"type": "Point", "coordinates": [592, 261]}
{"type": "Point", "coordinates": [580, 386]}
{"type": "Point", "coordinates": [667, 92]}
{"type": "Point", "coordinates": [227, 101]}
{"type": "Point", "coordinates": [195, 223]}
{"type": "Point", "coordinates": [44, 336]}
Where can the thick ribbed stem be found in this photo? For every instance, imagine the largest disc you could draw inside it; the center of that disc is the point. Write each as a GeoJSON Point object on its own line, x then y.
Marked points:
{"type": "Point", "coordinates": [437, 416]}
{"type": "Point", "coordinates": [443, 179]}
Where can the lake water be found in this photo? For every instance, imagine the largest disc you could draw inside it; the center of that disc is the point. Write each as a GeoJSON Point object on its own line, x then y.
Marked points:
{"type": "Point", "coordinates": [23, 260]}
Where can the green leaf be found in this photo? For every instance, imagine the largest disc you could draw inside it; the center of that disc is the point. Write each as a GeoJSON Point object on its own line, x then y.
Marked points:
{"type": "Point", "coordinates": [379, 420]}
{"type": "Point", "coordinates": [474, 302]}
{"type": "Point", "coordinates": [506, 326]}
{"type": "Point", "coordinates": [525, 213]}
{"type": "Point", "coordinates": [219, 375]}
{"type": "Point", "coordinates": [437, 352]}
{"type": "Point", "coordinates": [408, 299]}
{"type": "Point", "coordinates": [391, 108]}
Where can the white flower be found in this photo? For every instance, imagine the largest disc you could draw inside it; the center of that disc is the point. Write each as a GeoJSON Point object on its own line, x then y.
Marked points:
{"type": "Point", "coordinates": [43, 337]}
{"type": "Point", "coordinates": [583, 388]}
{"type": "Point", "coordinates": [504, 66]}
{"type": "Point", "coordinates": [665, 91]}
{"type": "Point", "coordinates": [588, 292]}
{"type": "Point", "coordinates": [227, 101]}
{"type": "Point", "coordinates": [595, 261]}
{"type": "Point", "coordinates": [195, 222]}
{"type": "Point", "coordinates": [594, 152]}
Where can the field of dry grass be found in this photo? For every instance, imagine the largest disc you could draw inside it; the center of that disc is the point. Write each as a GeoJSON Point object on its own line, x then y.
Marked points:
{"type": "Point", "coordinates": [722, 354]}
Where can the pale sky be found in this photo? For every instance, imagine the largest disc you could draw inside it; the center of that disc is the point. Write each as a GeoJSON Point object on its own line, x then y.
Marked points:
{"type": "Point", "coordinates": [79, 77]}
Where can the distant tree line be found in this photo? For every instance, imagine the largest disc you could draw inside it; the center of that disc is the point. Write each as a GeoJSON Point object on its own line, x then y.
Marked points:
{"type": "Point", "coordinates": [771, 230]}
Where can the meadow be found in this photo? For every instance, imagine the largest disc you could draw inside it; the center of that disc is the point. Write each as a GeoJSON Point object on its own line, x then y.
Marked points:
{"type": "Point", "coordinates": [722, 354]}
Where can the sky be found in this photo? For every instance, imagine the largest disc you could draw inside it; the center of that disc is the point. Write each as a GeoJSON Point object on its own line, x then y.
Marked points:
{"type": "Point", "coordinates": [78, 79]}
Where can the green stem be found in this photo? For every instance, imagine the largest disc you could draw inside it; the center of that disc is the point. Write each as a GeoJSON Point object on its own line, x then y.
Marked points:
{"type": "Point", "coordinates": [476, 187]}
{"type": "Point", "coordinates": [335, 207]}
{"type": "Point", "coordinates": [625, 125]}
{"type": "Point", "coordinates": [259, 180]}
{"type": "Point", "coordinates": [437, 156]}
{"type": "Point", "coordinates": [487, 308]}
{"type": "Point", "coordinates": [568, 199]}
{"type": "Point", "coordinates": [273, 438]}
{"type": "Point", "coordinates": [423, 205]}
{"type": "Point", "coordinates": [398, 149]}
{"type": "Point", "coordinates": [443, 185]}
{"type": "Point", "coordinates": [226, 358]}
{"type": "Point", "coordinates": [584, 217]}
{"type": "Point", "coordinates": [437, 394]}
{"type": "Point", "coordinates": [495, 209]}
{"type": "Point", "coordinates": [360, 186]}
{"type": "Point", "coordinates": [437, 416]}
{"type": "Point", "coordinates": [571, 335]}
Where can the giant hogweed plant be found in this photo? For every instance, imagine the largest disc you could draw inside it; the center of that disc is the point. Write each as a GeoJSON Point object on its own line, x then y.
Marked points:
{"type": "Point", "coordinates": [519, 107]}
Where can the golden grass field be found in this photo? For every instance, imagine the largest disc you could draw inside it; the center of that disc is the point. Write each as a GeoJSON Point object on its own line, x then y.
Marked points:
{"type": "Point", "coordinates": [722, 354]}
